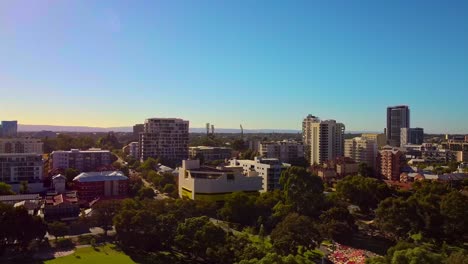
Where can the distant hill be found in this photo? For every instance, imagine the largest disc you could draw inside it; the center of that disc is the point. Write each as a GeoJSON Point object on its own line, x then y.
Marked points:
{"type": "Point", "coordinates": [36, 128]}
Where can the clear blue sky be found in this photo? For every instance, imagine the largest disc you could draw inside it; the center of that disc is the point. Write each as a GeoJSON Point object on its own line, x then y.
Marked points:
{"type": "Point", "coordinates": [265, 64]}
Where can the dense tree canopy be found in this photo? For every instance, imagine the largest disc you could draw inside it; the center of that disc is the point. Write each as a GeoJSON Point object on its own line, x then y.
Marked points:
{"type": "Point", "coordinates": [293, 232]}
{"type": "Point", "coordinates": [239, 207]}
{"type": "Point", "coordinates": [18, 228]}
{"type": "Point", "coordinates": [363, 192]}
{"type": "Point", "coordinates": [303, 191]}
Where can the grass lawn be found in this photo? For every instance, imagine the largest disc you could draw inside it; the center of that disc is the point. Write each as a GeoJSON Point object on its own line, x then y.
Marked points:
{"type": "Point", "coordinates": [88, 255]}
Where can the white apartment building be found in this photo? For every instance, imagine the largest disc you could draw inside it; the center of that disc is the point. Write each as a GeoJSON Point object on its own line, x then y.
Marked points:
{"type": "Point", "coordinates": [17, 167]}
{"type": "Point", "coordinates": [285, 151]}
{"type": "Point", "coordinates": [269, 169]}
{"type": "Point", "coordinates": [361, 150]}
{"type": "Point", "coordinates": [324, 140]}
{"type": "Point", "coordinates": [133, 149]}
{"type": "Point", "coordinates": [213, 184]}
{"type": "Point", "coordinates": [82, 160]}
{"type": "Point", "coordinates": [21, 145]}
{"type": "Point", "coordinates": [164, 138]}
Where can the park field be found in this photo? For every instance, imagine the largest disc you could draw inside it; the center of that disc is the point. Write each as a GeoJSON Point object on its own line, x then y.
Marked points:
{"type": "Point", "coordinates": [89, 255]}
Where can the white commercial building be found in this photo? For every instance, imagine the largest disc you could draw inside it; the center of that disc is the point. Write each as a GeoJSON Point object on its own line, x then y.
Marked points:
{"type": "Point", "coordinates": [164, 138]}
{"type": "Point", "coordinates": [21, 145]}
{"type": "Point", "coordinates": [361, 150]}
{"type": "Point", "coordinates": [213, 184]}
{"type": "Point", "coordinates": [324, 140]}
{"type": "Point", "coordinates": [268, 169]}
{"type": "Point", "coordinates": [285, 151]}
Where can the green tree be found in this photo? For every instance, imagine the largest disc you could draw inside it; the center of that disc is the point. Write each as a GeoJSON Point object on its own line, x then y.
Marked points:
{"type": "Point", "coordinates": [265, 204]}
{"type": "Point", "coordinates": [144, 229]}
{"type": "Point", "coordinates": [57, 229]}
{"type": "Point", "coordinates": [416, 255]}
{"type": "Point", "coordinates": [454, 209]}
{"type": "Point", "coordinates": [103, 213]}
{"type": "Point", "coordinates": [303, 192]}
{"type": "Point", "coordinates": [239, 145]}
{"type": "Point", "coordinates": [361, 191]}
{"type": "Point", "coordinates": [293, 232]}
{"type": "Point", "coordinates": [146, 193]}
{"type": "Point", "coordinates": [239, 207]}
{"type": "Point", "coordinates": [337, 223]}
{"type": "Point", "coordinates": [364, 170]}
{"type": "Point", "coordinates": [171, 189]}
{"type": "Point", "coordinates": [71, 173]}
{"type": "Point", "coordinates": [196, 235]}
{"type": "Point", "coordinates": [397, 217]}
{"type": "Point", "coordinates": [5, 189]}
{"type": "Point", "coordinates": [24, 188]}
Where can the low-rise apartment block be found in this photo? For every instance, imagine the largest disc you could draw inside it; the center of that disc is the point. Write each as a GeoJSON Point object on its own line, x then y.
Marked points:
{"type": "Point", "coordinates": [21, 145]}
{"type": "Point", "coordinates": [94, 185]}
{"type": "Point", "coordinates": [82, 160]}
{"type": "Point", "coordinates": [210, 153]}
{"type": "Point", "coordinates": [213, 184]}
{"type": "Point", "coordinates": [284, 151]}
{"type": "Point", "coordinates": [459, 148]}
{"type": "Point", "coordinates": [17, 167]}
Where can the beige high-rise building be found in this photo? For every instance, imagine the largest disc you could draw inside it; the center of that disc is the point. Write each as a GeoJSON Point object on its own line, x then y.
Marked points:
{"type": "Point", "coordinates": [324, 140]}
{"type": "Point", "coordinates": [379, 139]}
{"type": "Point", "coordinates": [361, 150]}
{"type": "Point", "coordinates": [165, 138]}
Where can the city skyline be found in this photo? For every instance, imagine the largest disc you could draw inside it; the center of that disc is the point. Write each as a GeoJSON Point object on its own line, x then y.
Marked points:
{"type": "Point", "coordinates": [265, 65]}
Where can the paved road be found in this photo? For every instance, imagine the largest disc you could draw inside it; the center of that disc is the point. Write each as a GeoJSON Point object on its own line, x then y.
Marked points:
{"type": "Point", "coordinates": [159, 195]}
{"type": "Point", "coordinates": [93, 231]}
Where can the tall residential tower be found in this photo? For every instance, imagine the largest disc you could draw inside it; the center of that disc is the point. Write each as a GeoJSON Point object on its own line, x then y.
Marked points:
{"type": "Point", "coordinates": [323, 140]}
{"type": "Point", "coordinates": [165, 138]}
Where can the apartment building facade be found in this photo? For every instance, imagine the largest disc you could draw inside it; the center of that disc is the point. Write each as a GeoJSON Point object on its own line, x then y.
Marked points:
{"type": "Point", "coordinates": [361, 150]}
{"type": "Point", "coordinates": [284, 151]}
{"type": "Point", "coordinates": [210, 153]}
{"type": "Point", "coordinates": [379, 138]}
{"type": "Point", "coordinates": [21, 145]}
{"type": "Point", "coordinates": [459, 148]}
{"type": "Point", "coordinates": [389, 162]}
{"type": "Point", "coordinates": [323, 140]}
{"type": "Point", "coordinates": [18, 167]}
{"type": "Point", "coordinates": [164, 138]}
{"type": "Point", "coordinates": [82, 160]}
